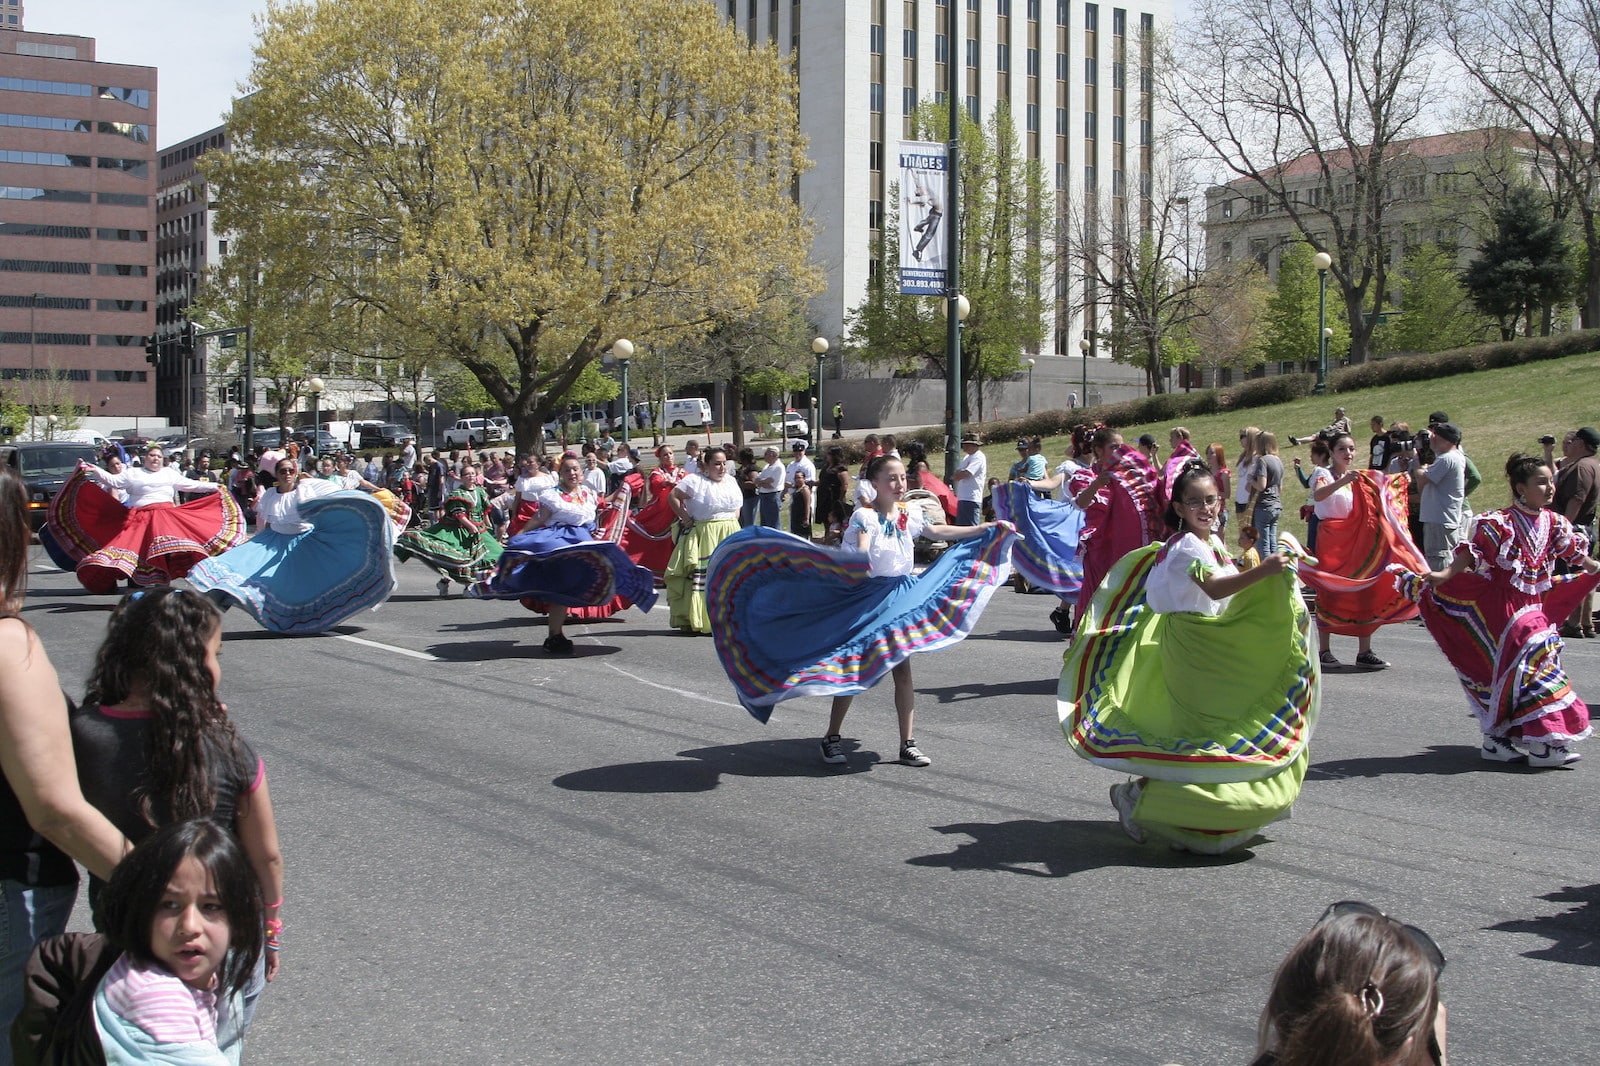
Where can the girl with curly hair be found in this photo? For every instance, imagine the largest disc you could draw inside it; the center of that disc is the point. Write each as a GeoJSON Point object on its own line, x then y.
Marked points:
{"type": "Point", "coordinates": [154, 743]}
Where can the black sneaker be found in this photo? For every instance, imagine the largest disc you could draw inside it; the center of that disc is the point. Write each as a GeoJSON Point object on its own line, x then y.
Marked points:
{"type": "Point", "coordinates": [911, 755]}
{"type": "Point", "coordinates": [556, 644]}
{"type": "Point", "coordinates": [833, 750]}
{"type": "Point", "coordinates": [1368, 661]}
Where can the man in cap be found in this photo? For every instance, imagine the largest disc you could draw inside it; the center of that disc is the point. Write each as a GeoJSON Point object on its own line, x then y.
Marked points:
{"type": "Point", "coordinates": [1474, 478]}
{"type": "Point", "coordinates": [1444, 492]}
{"type": "Point", "coordinates": [800, 476]}
{"type": "Point", "coordinates": [971, 474]}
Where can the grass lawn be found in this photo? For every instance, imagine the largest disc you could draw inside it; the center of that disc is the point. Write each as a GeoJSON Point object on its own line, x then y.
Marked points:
{"type": "Point", "coordinates": [1499, 412]}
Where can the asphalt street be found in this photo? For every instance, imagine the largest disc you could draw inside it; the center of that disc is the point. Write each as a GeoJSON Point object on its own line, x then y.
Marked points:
{"type": "Point", "coordinates": [496, 857]}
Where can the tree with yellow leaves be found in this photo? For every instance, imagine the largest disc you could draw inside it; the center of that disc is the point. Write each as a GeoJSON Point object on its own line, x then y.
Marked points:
{"type": "Point", "coordinates": [517, 183]}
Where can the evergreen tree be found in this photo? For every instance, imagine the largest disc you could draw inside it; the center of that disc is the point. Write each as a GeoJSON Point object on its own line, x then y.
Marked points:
{"type": "Point", "coordinates": [1436, 311]}
{"type": "Point", "coordinates": [1524, 267]}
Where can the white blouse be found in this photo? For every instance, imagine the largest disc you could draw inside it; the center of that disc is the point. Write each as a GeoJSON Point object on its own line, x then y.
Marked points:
{"type": "Point", "coordinates": [891, 541]}
{"type": "Point", "coordinates": [1337, 505]}
{"type": "Point", "coordinates": [529, 487]}
{"type": "Point", "coordinates": [705, 499]}
{"type": "Point", "coordinates": [281, 511]}
{"type": "Point", "coordinates": [144, 488]}
{"type": "Point", "coordinates": [575, 508]}
{"type": "Point", "coordinates": [1171, 587]}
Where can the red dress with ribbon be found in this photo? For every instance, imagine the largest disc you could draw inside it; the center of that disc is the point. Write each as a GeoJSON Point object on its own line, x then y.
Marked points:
{"type": "Point", "coordinates": [1124, 515]}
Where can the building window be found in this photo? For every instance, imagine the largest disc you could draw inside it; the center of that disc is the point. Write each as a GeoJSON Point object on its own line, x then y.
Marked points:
{"type": "Point", "coordinates": [972, 109]}
{"type": "Point", "coordinates": [1063, 127]}
{"type": "Point", "coordinates": [908, 43]}
{"type": "Point", "coordinates": [1119, 127]}
{"type": "Point", "coordinates": [972, 54]}
{"type": "Point", "coordinates": [1062, 65]}
{"type": "Point", "coordinates": [1119, 22]}
{"type": "Point", "coordinates": [874, 214]}
{"type": "Point", "coordinates": [876, 93]}
{"type": "Point", "coordinates": [1119, 75]}
{"type": "Point", "coordinates": [1002, 57]}
{"type": "Point", "coordinates": [874, 158]}
{"type": "Point", "coordinates": [1091, 17]}
{"type": "Point", "coordinates": [1033, 62]}
{"type": "Point", "coordinates": [1063, 12]}
{"type": "Point", "coordinates": [1227, 209]}
{"type": "Point", "coordinates": [1091, 71]}
{"type": "Point", "coordinates": [1061, 177]}
{"type": "Point", "coordinates": [1225, 251]}
{"type": "Point", "coordinates": [908, 99]}
{"type": "Point", "coordinates": [941, 48]}
{"type": "Point", "coordinates": [875, 40]}
{"type": "Point", "coordinates": [1033, 118]}
{"type": "Point", "coordinates": [1091, 125]}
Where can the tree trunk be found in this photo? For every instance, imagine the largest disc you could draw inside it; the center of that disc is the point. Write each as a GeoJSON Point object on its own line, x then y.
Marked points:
{"type": "Point", "coordinates": [736, 411]}
{"type": "Point", "coordinates": [1152, 347]}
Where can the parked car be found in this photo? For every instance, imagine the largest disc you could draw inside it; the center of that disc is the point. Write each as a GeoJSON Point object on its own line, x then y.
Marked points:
{"type": "Point", "coordinates": [384, 435]}
{"type": "Point", "coordinates": [44, 467]}
{"type": "Point", "coordinates": [471, 432]}
{"type": "Point", "coordinates": [327, 443]}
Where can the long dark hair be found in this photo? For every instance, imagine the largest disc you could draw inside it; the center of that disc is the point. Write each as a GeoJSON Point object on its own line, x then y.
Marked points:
{"type": "Point", "coordinates": [140, 881]}
{"type": "Point", "coordinates": [14, 538]}
{"type": "Point", "coordinates": [1350, 994]}
{"type": "Point", "coordinates": [158, 636]}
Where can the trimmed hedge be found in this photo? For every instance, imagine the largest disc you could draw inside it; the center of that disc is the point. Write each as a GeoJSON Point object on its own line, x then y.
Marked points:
{"type": "Point", "coordinates": [1173, 407]}
{"type": "Point", "coordinates": [1464, 360]}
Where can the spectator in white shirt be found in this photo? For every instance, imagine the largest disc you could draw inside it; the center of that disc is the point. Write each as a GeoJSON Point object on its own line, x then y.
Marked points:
{"type": "Point", "coordinates": [972, 473]}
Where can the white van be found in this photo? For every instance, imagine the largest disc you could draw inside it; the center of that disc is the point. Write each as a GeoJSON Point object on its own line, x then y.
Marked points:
{"type": "Point", "coordinates": [684, 412]}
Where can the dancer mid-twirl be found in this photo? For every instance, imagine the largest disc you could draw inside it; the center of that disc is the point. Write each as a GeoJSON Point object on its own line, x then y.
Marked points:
{"type": "Point", "coordinates": [1493, 612]}
{"type": "Point", "coordinates": [791, 619]}
{"type": "Point", "coordinates": [1199, 678]}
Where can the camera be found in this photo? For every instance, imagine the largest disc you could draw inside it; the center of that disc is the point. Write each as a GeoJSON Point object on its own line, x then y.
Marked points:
{"type": "Point", "coordinates": [1547, 439]}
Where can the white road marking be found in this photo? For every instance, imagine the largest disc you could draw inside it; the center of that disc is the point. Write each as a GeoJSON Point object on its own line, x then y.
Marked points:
{"type": "Point", "coordinates": [424, 656]}
{"type": "Point", "coordinates": [685, 693]}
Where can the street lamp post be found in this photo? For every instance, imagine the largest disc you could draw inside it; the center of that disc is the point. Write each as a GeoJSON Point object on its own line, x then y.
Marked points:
{"type": "Point", "coordinates": [819, 348]}
{"type": "Point", "coordinates": [1322, 261]}
{"type": "Point", "coordinates": [1030, 386]}
{"type": "Point", "coordinates": [314, 387]}
{"type": "Point", "coordinates": [622, 351]}
{"type": "Point", "coordinates": [1086, 346]}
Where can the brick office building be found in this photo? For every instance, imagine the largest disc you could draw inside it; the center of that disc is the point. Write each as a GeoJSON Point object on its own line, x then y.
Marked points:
{"type": "Point", "coordinates": [77, 221]}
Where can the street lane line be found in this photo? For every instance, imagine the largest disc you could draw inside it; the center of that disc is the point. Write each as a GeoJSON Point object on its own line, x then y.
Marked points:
{"type": "Point", "coordinates": [424, 656]}
{"type": "Point", "coordinates": [685, 693]}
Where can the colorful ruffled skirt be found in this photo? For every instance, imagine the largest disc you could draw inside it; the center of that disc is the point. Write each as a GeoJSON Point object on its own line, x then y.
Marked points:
{"type": "Point", "coordinates": [1047, 555]}
{"type": "Point", "coordinates": [567, 566]}
{"type": "Point", "coordinates": [685, 576]}
{"type": "Point", "coordinates": [452, 550]}
{"type": "Point", "coordinates": [648, 536]}
{"type": "Point", "coordinates": [105, 541]}
{"type": "Point", "coordinates": [310, 582]}
{"type": "Point", "coordinates": [1506, 651]}
{"type": "Point", "coordinates": [1355, 591]}
{"type": "Point", "coordinates": [791, 618]}
{"type": "Point", "coordinates": [1215, 712]}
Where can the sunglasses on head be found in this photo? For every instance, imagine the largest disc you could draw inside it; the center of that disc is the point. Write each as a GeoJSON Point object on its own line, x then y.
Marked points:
{"type": "Point", "coordinates": [1424, 943]}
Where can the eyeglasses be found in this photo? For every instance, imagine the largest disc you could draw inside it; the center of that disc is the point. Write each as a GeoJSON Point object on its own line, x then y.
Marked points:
{"type": "Point", "coordinates": [1423, 942]}
{"type": "Point", "coordinates": [1204, 501]}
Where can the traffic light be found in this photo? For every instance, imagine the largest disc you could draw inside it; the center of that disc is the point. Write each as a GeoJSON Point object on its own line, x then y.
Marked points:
{"type": "Point", "coordinates": [152, 350]}
{"type": "Point", "coordinates": [235, 391]}
{"type": "Point", "coordinates": [188, 338]}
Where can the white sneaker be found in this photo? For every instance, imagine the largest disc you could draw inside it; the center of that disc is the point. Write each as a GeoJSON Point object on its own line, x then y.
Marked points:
{"type": "Point", "coordinates": [1551, 755]}
{"type": "Point", "coordinates": [1123, 798]}
{"type": "Point", "coordinates": [1498, 750]}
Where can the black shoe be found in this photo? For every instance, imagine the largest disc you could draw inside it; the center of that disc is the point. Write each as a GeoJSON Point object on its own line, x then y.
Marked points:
{"type": "Point", "coordinates": [556, 644]}
{"type": "Point", "coordinates": [1061, 618]}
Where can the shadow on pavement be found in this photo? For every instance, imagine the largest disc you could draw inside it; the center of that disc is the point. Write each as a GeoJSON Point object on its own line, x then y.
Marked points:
{"type": "Point", "coordinates": [480, 651]}
{"type": "Point", "coordinates": [103, 607]}
{"type": "Point", "coordinates": [1059, 849]}
{"type": "Point", "coordinates": [1045, 634]}
{"type": "Point", "coordinates": [512, 622]}
{"type": "Point", "coordinates": [1439, 760]}
{"type": "Point", "coordinates": [1574, 934]}
{"type": "Point", "coordinates": [957, 693]}
{"type": "Point", "coordinates": [701, 769]}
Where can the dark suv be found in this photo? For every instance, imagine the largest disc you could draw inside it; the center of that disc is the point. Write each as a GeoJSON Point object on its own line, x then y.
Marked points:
{"type": "Point", "coordinates": [44, 467]}
{"type": "Point", "coordinates": [387, 435]}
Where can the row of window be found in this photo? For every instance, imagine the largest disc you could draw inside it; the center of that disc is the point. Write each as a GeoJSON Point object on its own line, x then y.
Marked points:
{"type": "Point", "coordinates": [80, 233]}
{"type": "Point", "coordinates": [136, 97]}
{"type": "Point", "coordinates": [73, 196]}
{"type": "Point", "coordinates": [71, 340]}
{"type": "Point", "coordinates": [49, 266]}
{"type": "Point", "coordinates": [38, 301]}
{"type": "Point", "coordinates": [139, 168]}
{"type": "Point", "coordinates": [22, 373]}
{"type": "Point", "coordinates": [135, 131]}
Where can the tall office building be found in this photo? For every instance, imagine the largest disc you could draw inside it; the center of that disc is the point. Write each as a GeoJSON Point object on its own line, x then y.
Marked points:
{"type": "Point", "coordinates": [1076, 77]}
{"type": "Point", "coordinates": [185, 247]}
{"type": "Point", "coordinates": [77, 207]}
{"type": "Point", "coordinates": [11, 14]}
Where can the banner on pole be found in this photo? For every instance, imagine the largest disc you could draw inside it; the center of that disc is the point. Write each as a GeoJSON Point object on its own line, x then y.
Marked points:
{"type": "Point", "coordinates": [923, 238]}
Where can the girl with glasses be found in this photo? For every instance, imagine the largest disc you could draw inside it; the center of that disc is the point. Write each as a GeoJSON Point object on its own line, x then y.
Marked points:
{"type": "Point", "coordinates": [1198, 678]}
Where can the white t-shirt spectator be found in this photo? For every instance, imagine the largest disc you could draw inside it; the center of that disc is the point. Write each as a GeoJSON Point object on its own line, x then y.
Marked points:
{"type": "Point", "coordinates": [770, 478]}
{"type": "Point", "coordinates": [970, 489]}
{"type": "Point", "coordinates": [800, 470]}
